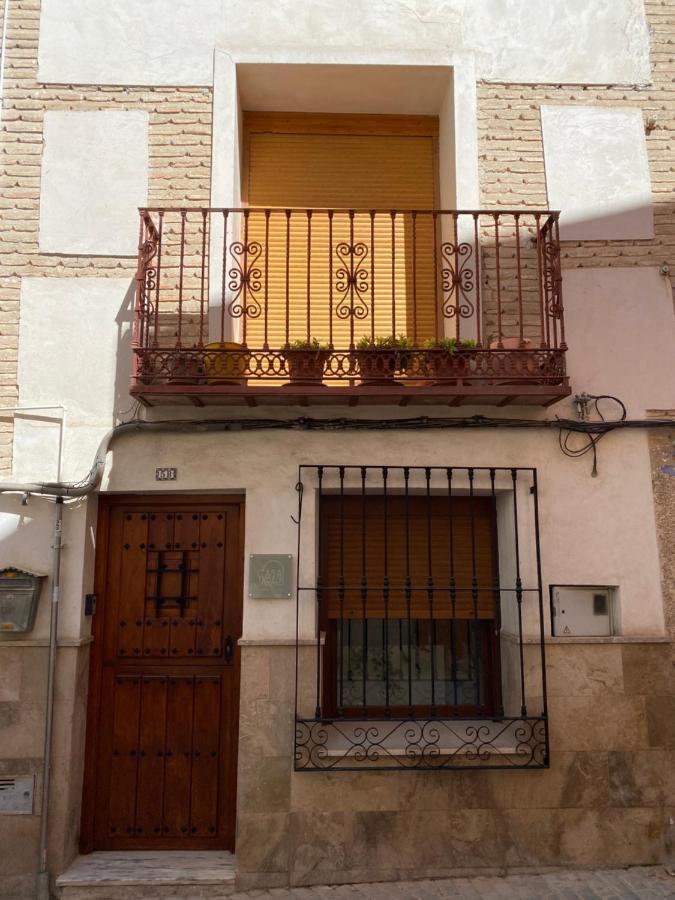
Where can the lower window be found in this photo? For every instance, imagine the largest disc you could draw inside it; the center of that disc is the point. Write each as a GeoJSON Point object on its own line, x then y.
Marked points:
{"type": "Point", "coordinates": [430, 651]}
{"type": "Point", "coordinates": [409, 598]}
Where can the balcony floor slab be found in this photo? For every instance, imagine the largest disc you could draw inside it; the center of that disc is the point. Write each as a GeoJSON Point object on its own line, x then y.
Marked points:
{"type": "Point", "coordinates": [358, 395]}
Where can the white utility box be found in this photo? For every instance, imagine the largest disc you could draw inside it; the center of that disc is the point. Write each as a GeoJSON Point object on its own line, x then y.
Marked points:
{"type": "Point", "coordinates": [582, 611]}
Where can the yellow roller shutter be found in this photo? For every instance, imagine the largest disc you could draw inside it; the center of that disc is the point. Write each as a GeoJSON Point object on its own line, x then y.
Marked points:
{"type": "Point", "coordinates": [341, 163]}
{"type": "Point", "coordinates": [354, 536]}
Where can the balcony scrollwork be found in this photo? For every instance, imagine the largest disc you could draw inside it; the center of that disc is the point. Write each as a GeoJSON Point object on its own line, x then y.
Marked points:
{"type": "Point", "coordinates": [224, 294]}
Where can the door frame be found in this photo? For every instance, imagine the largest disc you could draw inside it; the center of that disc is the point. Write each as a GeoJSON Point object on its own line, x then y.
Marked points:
{"type": "Point", "coordinates": [107, 503]}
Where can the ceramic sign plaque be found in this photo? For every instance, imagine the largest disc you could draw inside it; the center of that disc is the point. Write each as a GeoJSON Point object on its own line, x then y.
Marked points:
{"type": "Point", "coordinates": [270, 576]}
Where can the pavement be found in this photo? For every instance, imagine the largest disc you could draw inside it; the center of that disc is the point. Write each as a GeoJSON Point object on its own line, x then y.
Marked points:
{"type": "Point", "coordinates": [637, 883]}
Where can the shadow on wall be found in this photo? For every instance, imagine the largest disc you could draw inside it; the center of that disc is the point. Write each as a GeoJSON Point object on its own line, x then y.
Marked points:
{"type": "Point", "coordinates": [124, 321]}
{"type": "Point", "coordinates": [25, 542]}
{"type": "Point", "coordinates": [613, 222]}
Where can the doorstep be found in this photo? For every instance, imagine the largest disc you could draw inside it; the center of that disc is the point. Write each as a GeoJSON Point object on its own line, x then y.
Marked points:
{"type": "Point", "coordinates": [104, 875]}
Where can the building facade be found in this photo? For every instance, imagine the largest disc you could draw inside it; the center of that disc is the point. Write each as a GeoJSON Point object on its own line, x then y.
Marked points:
{"type": "Point", "coordinates": [326, 425]}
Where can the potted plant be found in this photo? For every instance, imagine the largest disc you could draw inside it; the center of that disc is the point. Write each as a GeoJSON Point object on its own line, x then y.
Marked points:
{"type": "Point", "coordinates": [523, 362]}
{"type": "Point", "coordinates": [226, 363]}
{"type": "Point", "coordinates": [380, 358]}
{"type": "Point", "coordinates": [447, 358]}
{"type": "Point", "coordinates": [306, 361]}
{"type": "Point", "coordinates": [186, 367]}
{"type": "Point", "coordinates": [510, 343]}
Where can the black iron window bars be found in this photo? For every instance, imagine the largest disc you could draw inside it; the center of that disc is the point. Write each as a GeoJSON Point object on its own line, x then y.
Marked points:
{"type": "Point", "coordinates": [428, 617]}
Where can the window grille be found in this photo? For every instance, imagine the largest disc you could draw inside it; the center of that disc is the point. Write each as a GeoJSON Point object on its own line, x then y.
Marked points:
{"type": "Point", "coordinates": [423, 585]}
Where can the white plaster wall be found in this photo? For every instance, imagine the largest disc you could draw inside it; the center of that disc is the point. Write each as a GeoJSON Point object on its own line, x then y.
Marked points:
{"type": "Point", "coordinates": [575, 42]}
{"type": "Point", "coordinates": [74, 349]}
{"type": "Point", "coordinates": [26, 538]}
{"type": "Point", "coordinates": [156, 42]}
{"type": "Point", "coordinates": [163, 42]}
{"type": "Point", "coordinates": [94, 177]}
{"type": "Point", "coordinates": [37, 449]}
{"type": "Point", "coordinates": [620, 329]}
{"type": "Point", "coordinates": [342, 88]}
{"type": "Point", "coordinates": [588, 525]}
{"type": "Point", "coordinates": [597, 172]}
{"type": "Point", "coordinates": [442, 84]}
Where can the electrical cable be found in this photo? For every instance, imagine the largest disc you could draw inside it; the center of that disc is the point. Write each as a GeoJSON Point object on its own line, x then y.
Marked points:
{"type": "Point", "coordinates": [593, 439]}
{"type": "Point", "coordinates": [594, 431]}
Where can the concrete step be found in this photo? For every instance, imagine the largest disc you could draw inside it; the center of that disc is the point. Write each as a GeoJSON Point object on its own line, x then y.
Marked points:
{"type": "Point", "coordinates": [136, 874]}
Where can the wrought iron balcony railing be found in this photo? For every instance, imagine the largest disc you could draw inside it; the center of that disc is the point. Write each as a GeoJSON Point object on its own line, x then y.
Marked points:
{"type": "Point", "coordinates": [421, 304]}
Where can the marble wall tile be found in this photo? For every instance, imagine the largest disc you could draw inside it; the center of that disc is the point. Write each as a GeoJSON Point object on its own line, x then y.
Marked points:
{"type": "Point", "coordinates": [583, 669]}
{"type": "Point", "coordinates": [612, 722]}
{"type": "Point", "coordinates": [661, 721]}
{"type": "Point", "coordinates": [645, 778]}
{"type": "Point", "coordinates": [575, 779]}
{"type": "Point", "coordinates": [19, 843]}
{"type": "Point", "coordinates": [263, 843]}
{"type": "Point", "coordinates": [648, 669]}
{"type": "Point", "coordinates": [10, 674]}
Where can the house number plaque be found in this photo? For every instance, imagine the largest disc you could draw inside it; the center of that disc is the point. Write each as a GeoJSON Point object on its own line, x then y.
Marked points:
{"type": "Point", "coordinates": [166, 473]}
{"type": "Point", "coordinates": [270, 576]}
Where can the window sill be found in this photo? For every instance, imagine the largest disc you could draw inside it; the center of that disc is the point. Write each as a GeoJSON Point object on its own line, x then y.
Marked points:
{"type": "Point", "coordinates": [420, 744]}
{"type": "Point", "coordinates": [590, 639]}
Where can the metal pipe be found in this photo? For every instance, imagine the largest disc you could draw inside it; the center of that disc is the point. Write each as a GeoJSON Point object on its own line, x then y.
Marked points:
{"type": "Point", "coordinates": [422, 423]}
{"type": "Point", "coordinates": [43, 873]}
{"type": "Point", "coordinates": [32, 408]}
{"type": "Point", "coordinates": [62, 490]}
{"type": "Point", "coordinates": [3, 50]}
{"type": "Point", "coordinates": [34, 412]}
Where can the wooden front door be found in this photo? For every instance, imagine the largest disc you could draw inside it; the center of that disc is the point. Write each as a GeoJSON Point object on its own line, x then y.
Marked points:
{"type": "Point", "coordinates": [164, 687]}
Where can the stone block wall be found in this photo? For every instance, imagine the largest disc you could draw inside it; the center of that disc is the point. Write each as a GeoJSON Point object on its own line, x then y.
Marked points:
{"type": "Point", "coordinates": [606, 800]}
{"type": "Point", "coordinates": [23, 680]}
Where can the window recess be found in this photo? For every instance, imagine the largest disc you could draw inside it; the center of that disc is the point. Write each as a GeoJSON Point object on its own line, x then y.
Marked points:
{"type": "Point", "coordinates": [423, 586]}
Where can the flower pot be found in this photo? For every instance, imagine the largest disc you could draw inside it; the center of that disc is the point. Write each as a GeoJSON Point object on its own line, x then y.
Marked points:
{"type": "Point", "coordinates": [511, 343]}
{"type": "Point", "coordinates": [186, 368]}
{"type": "Point", "coordinates": [378, 366]}
{"type": "Point", "coordinates": [306, 366]}
{"type": "Point", "coordinates": [520, 367]}
{"type": "Point", "coordinates": [226, 368]}
{"type": "Point", "coordinates": [440, 366]}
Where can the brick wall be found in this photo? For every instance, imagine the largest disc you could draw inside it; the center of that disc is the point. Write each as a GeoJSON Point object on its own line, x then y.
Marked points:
{"type": "Point", "coordinates": [512, 157]}
{"type": "Point", "coordinates": [510, 148]}
{"type": "Point", "coordinates": [179, 173]}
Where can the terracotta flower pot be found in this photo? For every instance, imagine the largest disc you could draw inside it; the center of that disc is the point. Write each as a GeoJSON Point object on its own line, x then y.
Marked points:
{"type": "Point", "coordinates": [226, 368]}
{"type": "Point", "coordinates": [187, 368]}
{"type": "Point", "coordinates": [522, 366]}
{"type": "Point", "coordinates": [441, 366]}
{"type": "Point", "coordinates": [377, 366]}
{"type": "Point", "coordinates": [306, 366]}
{"type": "Point", "coordinates": [511, 343]}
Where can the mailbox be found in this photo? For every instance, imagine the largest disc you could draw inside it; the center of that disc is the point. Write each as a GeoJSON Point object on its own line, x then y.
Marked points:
{"type": "Point", "coordinates": [19, 595]}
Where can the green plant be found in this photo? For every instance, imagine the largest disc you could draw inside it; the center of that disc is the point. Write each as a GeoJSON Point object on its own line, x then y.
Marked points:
{"type": "Point", "coordinates": [450, 345]}
{"type": "Point", "coordinates": [385, 342]}
{"type": "Point", "coordinates": [313, 344]}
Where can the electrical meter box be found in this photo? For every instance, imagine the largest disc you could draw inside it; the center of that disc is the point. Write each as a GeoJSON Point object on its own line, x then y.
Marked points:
{"type": "Point", "coordinates": [581, 611]}
{"type": "Point", "coordinates": [19, 595]}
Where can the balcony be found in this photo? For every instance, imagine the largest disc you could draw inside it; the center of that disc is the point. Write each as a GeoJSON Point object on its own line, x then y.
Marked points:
{"type": "Point", "coordinates": [315, 306]}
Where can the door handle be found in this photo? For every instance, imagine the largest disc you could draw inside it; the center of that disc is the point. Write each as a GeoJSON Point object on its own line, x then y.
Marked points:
{"type": "Point", "coordinates": [229, 650]}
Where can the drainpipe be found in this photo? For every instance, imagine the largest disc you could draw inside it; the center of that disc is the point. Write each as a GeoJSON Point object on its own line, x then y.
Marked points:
{"type": "Point", "coordinates": [3, 47]}
{"type": "Point", "coordinates": [63, 490]}
{"type": "Point", "coordinates": [43, 874]}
